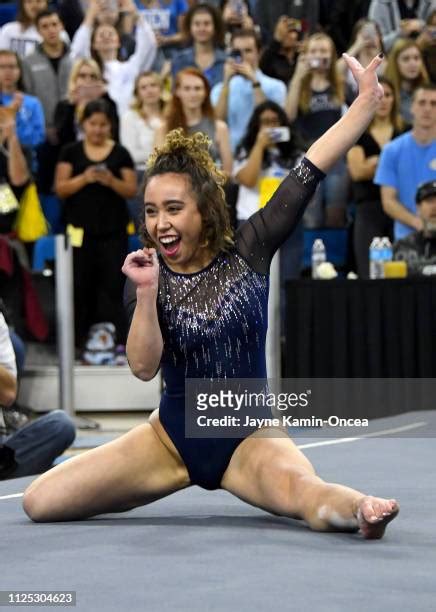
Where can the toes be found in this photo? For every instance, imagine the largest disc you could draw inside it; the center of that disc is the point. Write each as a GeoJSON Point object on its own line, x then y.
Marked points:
{"type": "Point", "coordinates": [368, 511]}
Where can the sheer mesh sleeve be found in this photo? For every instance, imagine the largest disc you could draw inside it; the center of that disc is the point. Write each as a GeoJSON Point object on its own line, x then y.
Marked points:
{"type": "Point", "coordinates": [264, 232]}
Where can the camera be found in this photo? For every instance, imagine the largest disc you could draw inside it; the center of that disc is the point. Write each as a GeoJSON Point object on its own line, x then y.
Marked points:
{"type": "Point", "coordinates": [280, 134]}
{"type": "Point", "coordinates": [369, 30]}
{"type": "Point", "coordinates": [235, 55]}
{"type": "Point", "coordinates": [319, 62]}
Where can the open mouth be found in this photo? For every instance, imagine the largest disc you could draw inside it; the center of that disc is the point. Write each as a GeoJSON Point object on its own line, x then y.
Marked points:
{"type": "Point", "coordinates": [170, 245]}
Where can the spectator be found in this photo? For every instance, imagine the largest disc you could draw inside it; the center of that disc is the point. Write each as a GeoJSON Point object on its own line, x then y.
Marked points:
{"type": "Point", "coordinates": [138, 131]}
{"type": "Point", "coordinates": [244, 86]}
{"type": "Point", "coordinates": [85, 84]}
{"type": "Point", "coordinates": [407, 72]}
{"type": "Point", "coordinates": [191, 109]}
{"type": "Point", "coordinates": [370, 218]}
{"type": "Point", "coordinates": [204, 28]}
{"type": "Point", "coordinates": [418, 249]}
{"type": "Point", "coordinates": [400, 18]}
{"type": "Point", "coordinates": [45, 74]}
{"type": "Point", "coordinates": [166, 19]}
{"type": "Point", "coordinates": [408, 161]}
{"type": "Point", "coordinates": [120, 14]}
{"type": "Point", "coordinates": [262, 155]}
{"type": "Point", "coordinates": [95, 177]}
{"type": "Point", "coordinates": [339, 18]}
{"type": "Point", "coordinates": [139, 123]}
{"type": "Point", "coordinates": [29, 114]}
{"type": "Point", "coordinates": [16, 285]}
{"type": "Point", "coordinates": [102, 42]}
{"type": "Point", "coordinates": [427, 44]}
{"type": "Point", "coordinates": [366, 43]}
{"type": "Point", "coordinates": [236, 16]}
{"type": "Point", "coordinates": [33, 448]}
{"type": "Point", "coordinates": [268, 12]}
{"type": "Point", "coordinates": [13, 169]}
{"type": "Point", "coordinates": [316, 101]}
{"type": "Point", "coordinates": [22, 36]}
{"type": "Point", "coordinates": [280, 56]}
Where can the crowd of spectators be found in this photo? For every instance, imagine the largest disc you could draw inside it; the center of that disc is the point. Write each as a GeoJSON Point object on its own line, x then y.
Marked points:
{"type": "Point", "coordinates": [89, 87]}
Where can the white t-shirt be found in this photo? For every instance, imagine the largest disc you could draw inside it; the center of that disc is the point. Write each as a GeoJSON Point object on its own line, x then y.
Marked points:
{"type": "Point", "coordinates": [23, 42]}
{"type": "Point", "coordinates": [7, 355]}
{"type": "Point", "coordinates": [137, 135]}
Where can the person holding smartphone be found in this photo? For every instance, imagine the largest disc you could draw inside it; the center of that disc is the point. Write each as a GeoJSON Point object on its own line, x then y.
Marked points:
{"type": "Point", "coordinates": [102, 42]}
{"type": "Point", "coordinates": [366, 41]}
{"type": "Point", "coordinates": [85, 84]}
{"type": "Point", "coordinates": [244, 85]}
{"type": "Point", "coordinates": [269, 149]}
{"type": "Point", "coordinates": [280, 56]}
{"type": "Point", "coordinates": [94, 177]}
{"type": "Point", "coordinates": [315, 101]}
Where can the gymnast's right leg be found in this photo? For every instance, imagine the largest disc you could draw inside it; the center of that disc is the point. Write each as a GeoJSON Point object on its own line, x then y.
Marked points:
{"type": "Point", "coordinates": [132, 471]}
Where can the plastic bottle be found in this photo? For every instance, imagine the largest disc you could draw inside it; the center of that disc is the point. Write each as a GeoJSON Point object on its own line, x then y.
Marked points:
{"type": "Point", "coordinates": [375, 258]}
{"type": "Point", "coordinates": [387, 250]}
{"type": "Point", "coordinates": [318, 256]}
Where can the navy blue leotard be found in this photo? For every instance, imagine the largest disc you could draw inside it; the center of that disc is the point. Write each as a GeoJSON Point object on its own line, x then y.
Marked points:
{"type": "Point", "coordinates": [214, 321]}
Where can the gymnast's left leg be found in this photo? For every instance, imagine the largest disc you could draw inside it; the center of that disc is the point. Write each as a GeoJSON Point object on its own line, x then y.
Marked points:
{"type": "Point", "coordinates": [273, 474]}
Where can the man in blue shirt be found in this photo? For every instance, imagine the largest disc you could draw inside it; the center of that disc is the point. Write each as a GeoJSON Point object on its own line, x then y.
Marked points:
{"type": "Point", "coordinates": [408, 161]}
{"type": "Point", "coordinates": [244, 86]}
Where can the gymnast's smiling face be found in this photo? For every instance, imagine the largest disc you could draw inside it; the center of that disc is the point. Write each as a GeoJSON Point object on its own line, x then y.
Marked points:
{"type": "Point", "coordinates": [174, 223]}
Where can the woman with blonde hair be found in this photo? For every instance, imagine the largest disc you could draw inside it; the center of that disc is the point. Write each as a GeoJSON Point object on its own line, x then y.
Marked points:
{"type": "Point", "coordinates": [85, 84]}
{"type": "Point", "coordinates": [140, 122]}
{"type": "Point", "coordinates": [191, 109]}
{"type": "Point", "coordinates": [407, 72]}
{"type": "Point", "coordinates": [315, 102]}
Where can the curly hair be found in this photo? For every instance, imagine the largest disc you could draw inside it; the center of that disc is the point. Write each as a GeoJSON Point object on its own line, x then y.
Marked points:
{"type": "Point", "coordinates": [189, 156]}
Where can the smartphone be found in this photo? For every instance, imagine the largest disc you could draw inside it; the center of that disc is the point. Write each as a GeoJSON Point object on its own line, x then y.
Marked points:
{"type": "Point", "coordinates": [280, 134]}
{"type": "Point", "coordinates": [369, 30]}
{"type": "Point", "coordinates": [235, 55]}
{"type": "Point", "coordinates": [319, 62]}
{"type": "Point", "coordinates": [89, 92]}
{"type": "Point", "coordinates": [111, 6]}
{"type": "Point", "coordinates": [237, 7]}
{"type": "Point", "coordinates": [100, 167]}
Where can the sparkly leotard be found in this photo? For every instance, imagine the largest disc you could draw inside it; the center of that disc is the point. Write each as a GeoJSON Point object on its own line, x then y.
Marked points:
{"type": "Point", "coordinates": [214, 322]}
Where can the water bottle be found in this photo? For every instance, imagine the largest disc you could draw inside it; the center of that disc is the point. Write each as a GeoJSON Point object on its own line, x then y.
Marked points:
{"type": "Point", "coordinates": [375, 258]}
{"type": "Point", "coordinates": [387, 250]}
{"type": "Point", "coordinates": [318, 256]}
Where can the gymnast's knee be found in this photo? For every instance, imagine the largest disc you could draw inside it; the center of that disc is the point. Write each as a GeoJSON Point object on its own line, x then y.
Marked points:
{"type": "Point", "coordinates": [35, 505]}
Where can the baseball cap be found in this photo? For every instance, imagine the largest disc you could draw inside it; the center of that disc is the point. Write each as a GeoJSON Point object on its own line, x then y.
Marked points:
{"type": "Point", "coordinates": [425, 190]}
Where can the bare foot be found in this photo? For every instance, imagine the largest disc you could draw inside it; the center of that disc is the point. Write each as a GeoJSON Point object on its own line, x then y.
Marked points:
{"type": "Point", "coordinates": [373, 514]}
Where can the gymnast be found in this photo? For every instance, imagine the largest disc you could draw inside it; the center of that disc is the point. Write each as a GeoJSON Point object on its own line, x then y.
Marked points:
{"type": "Point", "coordinates": [197, 297]}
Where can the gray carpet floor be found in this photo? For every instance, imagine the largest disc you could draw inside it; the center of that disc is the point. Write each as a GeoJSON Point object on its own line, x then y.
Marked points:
{"type": "Point", "coordinates": [206, 551]}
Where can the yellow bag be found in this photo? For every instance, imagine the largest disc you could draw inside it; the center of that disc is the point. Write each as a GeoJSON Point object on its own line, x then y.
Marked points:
{"type": "Point", "coordinates": [31, 223]}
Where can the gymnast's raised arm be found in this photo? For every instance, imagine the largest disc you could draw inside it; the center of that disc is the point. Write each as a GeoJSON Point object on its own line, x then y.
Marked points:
{"type": "Point", "coordinates": [260, 237]}
{"type": "Point", "coordinates": [144, 344]}
{"type": "Point", "coordinates": [335, 143]}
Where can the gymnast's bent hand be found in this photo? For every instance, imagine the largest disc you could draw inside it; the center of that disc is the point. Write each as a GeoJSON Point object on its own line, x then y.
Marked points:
{"type": "Point", "coordinates": [335, 143]}
{"type": "Point", "coordinates": [142, 267]}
